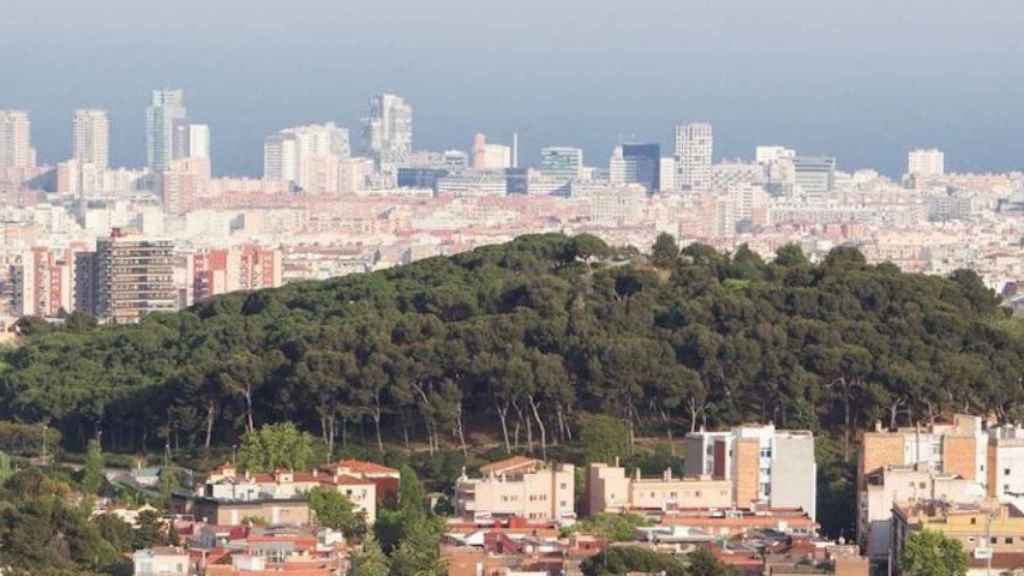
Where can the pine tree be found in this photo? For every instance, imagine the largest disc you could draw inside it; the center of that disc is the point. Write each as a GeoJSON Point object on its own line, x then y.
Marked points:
{"type": "Point", "coordinates": [371, 561]}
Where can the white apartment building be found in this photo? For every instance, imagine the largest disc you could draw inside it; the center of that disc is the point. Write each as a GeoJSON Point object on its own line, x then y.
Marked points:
{"type": "Point", "coordinates": [930, 162]}
{"type": "Point", "coordinates": [307, 156]}
{"type": "Point", "coordinates": [694, 152]}
{"type": "Point", "coordinates": [16, 140]}
{"type": "Point", "coordinates": [91, 138]}
{"type": "Point", "coordinates": [769, 467]}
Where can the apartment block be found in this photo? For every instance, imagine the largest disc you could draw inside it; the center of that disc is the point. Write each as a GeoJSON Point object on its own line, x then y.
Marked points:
{"type": "Point", "coordinates": [127, 277]}
{"type": "Point", "coordinates": [992, 534]}
{"type": "Point", "coordinates": [521, 487]}
{"type": "Point", "coordinates": [42, 283]}
{"type": "Point", "coordinates": [612, 489]}
{"type": "Point", "coordinates": [222, 270]}
{"type": "Point", "coordinates": [961, 463]}
{"type": "Point", "coordinates": [766, 467]}
{"type": "Point", "coordinates": [891, 485]}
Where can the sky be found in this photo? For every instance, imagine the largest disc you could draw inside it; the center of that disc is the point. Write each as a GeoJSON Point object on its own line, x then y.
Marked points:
{"type": "Point", "coordinates": [863, 80]}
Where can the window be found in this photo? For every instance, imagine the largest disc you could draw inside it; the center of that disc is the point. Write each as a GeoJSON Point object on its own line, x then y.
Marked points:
{"type": "Point", "coordinates": [564, 486]}
{"type": "Point", "coordinates": [1006, 472]}
{"type": "Point", "coordinates": [1006, 487]}
{"type": "Point", "coordinates": [974, 521]}
{"type": "Point", "coordinates": [672, 495]}
{"type": "Point", "coordinates": [1008, 540]}
{"type": "Point", "coordinates": [697, 494]}
{"type": "Point", "coordinates": [994, 540]}
{"type": "Point", "coordinates": [922, 485]}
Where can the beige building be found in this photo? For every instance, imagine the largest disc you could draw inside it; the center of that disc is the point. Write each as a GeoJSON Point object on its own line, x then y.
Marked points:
{"type": "Point", "coordinates": [518, 486]}
{"type": "Point", "coordinates": [611, 489]}
{"type": "Point", "coordinates": [895, 485]}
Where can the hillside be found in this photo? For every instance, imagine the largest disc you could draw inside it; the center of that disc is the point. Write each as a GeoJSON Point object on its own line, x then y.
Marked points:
{"type": "Point", "coordinates": [517, 340]}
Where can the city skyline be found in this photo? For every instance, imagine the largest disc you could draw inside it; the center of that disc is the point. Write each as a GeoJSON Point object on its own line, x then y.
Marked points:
{"type": "Point", "coordinates": [865, 83]}
{"type": "Point", "coordinates": [532, 153]}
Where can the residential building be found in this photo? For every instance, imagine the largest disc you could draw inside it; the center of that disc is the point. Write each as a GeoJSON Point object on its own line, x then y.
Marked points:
{"type": "Point", "coordinates": [387, 132]}
{"type": "Point", "coordinates": [228, 496]}
{"type": "Point", "coordinates": [42, 283]}
{"type": "Point", "coordinates": [16, 149]}
{"type": "Point", "coordinates": [183, 183]}
{"type": "Point", "coordinates": [694, 154]}
{"type": "Point", "coordinates": [518, 486]}
{"type": "Point", "coordinates": [130, 277]}
{"type": "Point", "coordinates": [309, 157]}
{"type": "Point", "coordinates": [726, 175]}
{"type": "Point", "coordinates": [926, 461]}
{"type": "Point", "coordinates": [164, 561]}
{"type": "Point", "coordinates": [893, 485]}
{"type": "Point", "coordinates": [667, 173]}
{"type": "Point", "coordinates": [386, 479]}
{"type": "Point", "coordinates": [488, 156]}
{"type": "Point", "coordinates": [926, 163]}
{"type": "Point", "coordinates": [223, 270]}
{"type": "Point", "coordinates": [814, 175]}
{"type": "Point", "coordinates": [767, 467]}
{"type": "Point", "coordinates": [612, 489]}
{"type": "Point", "coordinates": [91, 138]}
{"type": "Point", "coordinates": [166, 111]}
{"type": "Point", "coordinates": [992, 534]}
{"type": "Point", "coordinates": [473, 183]}
{"type": "Point", "coordinates": [561, 162]}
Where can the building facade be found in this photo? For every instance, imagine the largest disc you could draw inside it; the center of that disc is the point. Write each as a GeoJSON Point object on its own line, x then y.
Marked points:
{"type": "Point", "coordinates": [166, 110]}
{"type": "Point", "coordinates": [694, 154]}
{"type": "Point", "coordinates": [127, 277]}
{"type": "Point", "coordinates": [518, 487]}
{"type": "Point", "coordinates": [767, 467]}
{"type": "Point", "coordinates": [16, 149]}
{"type": "Point", "coordinates": [91, 138]}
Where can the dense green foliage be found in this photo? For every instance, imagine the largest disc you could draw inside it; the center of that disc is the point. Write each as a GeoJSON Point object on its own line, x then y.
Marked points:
{"type": "Point", "coordinates": [928, 553]}
{"type": "Point", "coordinates": [335, 511]}
{"type": "Point", "coordinates": [483, 340]}
{"type": "Point", "coordinates": [626, 559]}
{"type": "Point", "coordinates": [45, 528]}
{"type": "Point", "coordinates": [611, 527]}
{"type": "Point", "coordinates": [276, 446]}
{"type": "Point", "coordinates": [370, 561]}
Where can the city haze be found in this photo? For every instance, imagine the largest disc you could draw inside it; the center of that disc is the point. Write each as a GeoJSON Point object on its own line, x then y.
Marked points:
{"type": "Point", "coordinates": [864, 81]}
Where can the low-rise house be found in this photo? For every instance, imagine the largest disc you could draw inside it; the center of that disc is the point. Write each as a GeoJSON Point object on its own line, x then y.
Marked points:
{"type": "Point", "coordinates": [385, 479]}
{"type": "Point", "coordinates": [164, 561]}
{"type": "Point", "coordinates": [229, 497]}
{"type": "Point", "coordinates": [518, 486]}
{"type": "Point", "coordinates": [610, 489]}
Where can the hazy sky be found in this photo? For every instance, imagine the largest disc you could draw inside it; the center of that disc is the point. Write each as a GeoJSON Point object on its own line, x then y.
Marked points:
{"type": "Point", "coordinates": [865, 80]}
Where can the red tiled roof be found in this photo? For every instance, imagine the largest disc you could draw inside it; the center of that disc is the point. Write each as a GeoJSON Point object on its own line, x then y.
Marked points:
{"type": "Point", "coordinates": [508, 464]}
{"type": "Point", "coordinates": [362, 467]}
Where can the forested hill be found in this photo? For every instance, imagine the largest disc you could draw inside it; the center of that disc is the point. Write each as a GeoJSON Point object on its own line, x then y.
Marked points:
{"type": "Point", "coordinates": [521, 339]}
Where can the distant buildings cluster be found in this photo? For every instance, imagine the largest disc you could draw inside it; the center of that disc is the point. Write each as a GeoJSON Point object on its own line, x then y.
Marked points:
{"type": "Point", "coordinates": [329, 204]}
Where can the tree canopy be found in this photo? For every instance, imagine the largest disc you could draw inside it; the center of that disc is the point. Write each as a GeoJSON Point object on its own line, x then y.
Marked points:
{"type": "Point", "coordinates": [521, 340]}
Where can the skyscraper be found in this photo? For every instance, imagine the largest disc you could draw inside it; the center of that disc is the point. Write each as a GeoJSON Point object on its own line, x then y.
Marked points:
{"type": "Point", "coordinates": [166, 110]}
{"type": "Point", "coordinates": [91, 138]}
{"type": "Point", "coordinates": [388, 132]}
{"type": "Point", "coordinates": [647, 161]}
{"type": "Point", "coordinates": [561, 162]}
{"type": "Point", "coordinates": [16, 140]}
{"type": "Point", "coordinates": [694, 152]}
{"type": "Point", "coordinates": [930, 162]}
{"type": "Point", "coordinates": [815, 175]}
{"type": "Point", "coordinates": [307, 156]}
